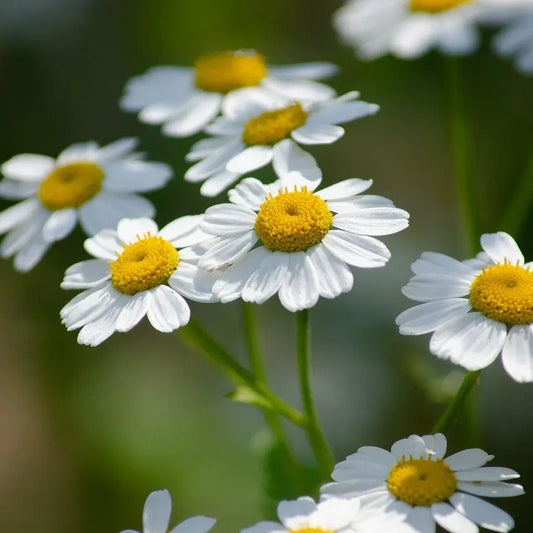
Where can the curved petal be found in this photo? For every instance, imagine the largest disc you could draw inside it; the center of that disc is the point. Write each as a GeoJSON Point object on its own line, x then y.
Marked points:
{"type": "Point", "coordinates": [129, 230]}
{"type": "Point", "coordinates": [517, 353]}
{"type": "Point", "coordinates": [250, 193]}
{"type": "Point", "coordinates": [451, 520]}
{"type": "Point", "coordinates": [266, 280]}
{"type": "Point", "coordinates": [300, 288]}
{"type": "Point", "coordinates": [132, 312]}
{"type": "Point", "coordinates": [216, 183]}
{"type": "Point", "coordinates": [373, 221]}
{"type": "Point", "coordinates": [288, 157]}
{"type": "Point", "coordinates": [195, 524]}
{"type": "Point", "coordinates": [17, 190]}
{"type": "Point", "coordinates": [304, 91]}
{"type": "Point", "coordinates": [468, 459]}
{"type": "Point", "coordinates": [86, 274]}
{"type": "Point", "coordinates": [317, 133]}
{"type": "Point", "coordinates": [491, 489]}
{"type": "Point", "coordinates": [104, 245]}
{"type": "Point", "coordinates": [156, 512]}
{"type": "Point", "coordinates": [28, 167]}
{"type": "Point", "coordinates": [228, 251]}
{"type": "Point", "coordinates": [227, 220]}
{"type": "Point", "coordinates": [313, 70]}
{"type": "Point", "coordinates": [344, 189]}
{"type": "Point", "coordinates": [167, 310]}
{"type": "Point", "coordinates": [356, 250]}
{"type": "Point", "coordinates": [135, 176]}
{"type": "Point", "coordinates": [18, 214]}
{"type": "Point", "coordinates": [334, 276]}
{"type": "Point", "coordinates": [59, 224]}
{"type": "Point", "coordinates": [339, 113]}
{"type": "Point", "coordinates": [501, 246]}
{"type": "Point", "coordinates": [249, 159]}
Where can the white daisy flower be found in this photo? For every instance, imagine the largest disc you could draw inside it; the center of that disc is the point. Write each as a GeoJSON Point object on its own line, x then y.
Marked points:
{"type": "Point", "coordinates": [257, 129]}
{"type": "Point", "coordinates": [138, 271]}
{"type": "Point", "coordinates": [286, 238]}
{"type": "Point", "coordinates": [477, 308]}
{"type": "Point", "coordinates": [410, 28]}
{"type": "Point", "coordinates": [186, 99]}
{"type": "Point", "coordinates": [156, 516]}
{"type": "Point", "coordinates": [96, 186]}
{"type": "Point", "coordinates": [516, 41]}
{"type": "Point", "coordinates": [416, 481]}
{"type": "Point", "coordinates": [304, 515]}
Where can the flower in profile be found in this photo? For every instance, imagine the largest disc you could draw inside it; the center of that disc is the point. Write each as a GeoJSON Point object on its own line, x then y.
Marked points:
{"type": "Point", "coordinates": [286, 238]}
{"type": "Point", "coordinates": [417, 482]}
{"type": "Point", "coordinates": [409, 28]}
{"type": "Point", "coordinates": [257, 129]}
{"type": "Point", "coordinates": [477, 308]}
{"type": "Point", "coordinates": [516, 41]}
{"type": "Point", "coordinates": [138, 271]}
{"type": "Point", "coordinates": [156, 517]}
{"type": "Point", "coordinates": [95, 185]}
{"type": "Point", "coordinates": [186, 99]}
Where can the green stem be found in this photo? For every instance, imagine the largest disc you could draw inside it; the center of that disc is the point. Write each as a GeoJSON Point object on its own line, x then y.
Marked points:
{"type": "Point", "coordinates": [215, 354]}
{"type": "Point", "coordinates": [460, 148]}
{"type": "Point", "coordinates": [317, 440]}
{"type": "Point", "coordinates": [517, 208]}
{"type": "Point", "coordinates": [443, 425]}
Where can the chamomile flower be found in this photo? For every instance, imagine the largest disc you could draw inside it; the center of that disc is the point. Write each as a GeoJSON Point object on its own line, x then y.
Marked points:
{"type": "Point", "coordinates": [477, 308]}
{"type": "Point", "coordinates": [409, 28]}
{"type": "Point", "coordinates": [186, 99]}
{"type": "Point", "coordinates": [156, 516]}
{"type": "Point", "coordinates": [95, 185]}
{"type": "Point", "coordinates": [138, 271]}
{"type": "Point", "coordinates": [257, 129]}
{"type": "Point", "coordinates": [415, 480]}
{"type": "Point", "coordinates": [286, 238]}
{"type": "Point", "coordinates": [516, 41]}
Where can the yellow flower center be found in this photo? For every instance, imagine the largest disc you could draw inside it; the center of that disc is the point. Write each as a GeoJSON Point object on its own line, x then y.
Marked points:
{"type": "Point", "coordinates": [504, 293]}
{"type": "Point", "coordinates": [292, 221]}
{"type": "Point", "coordinates": [70, 185]}
{"type": "Point", "coordinates": [225, 71]}
{"type": "Point", "coordinates": [273, 126]}
{"type": "Point", "coordinates": [421, 481]}
{"type": "Point", "coordinates": [143, 265]}
{"type": "Point", "coordinates": [434, 6]}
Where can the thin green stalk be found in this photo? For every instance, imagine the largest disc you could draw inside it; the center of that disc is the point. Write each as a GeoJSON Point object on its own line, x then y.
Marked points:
{"type": "Point", "coordinates": [317, 440]}
{"type": "Point", "coordinates": [443, 425]}
{"type": "Point", "coordinates": [461, 155]}
{"type": "Point", "coordinates": [215, 354]}
{"type": "Point", "coordinates": [518, 207]}
{"type": "Point", "coordinates": [258, 368]}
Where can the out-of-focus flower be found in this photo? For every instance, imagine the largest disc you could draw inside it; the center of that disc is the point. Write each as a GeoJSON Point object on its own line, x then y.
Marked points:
{"type": "Point", "coordinates": [138, 271]}
{"type": "Point", "coordinates": [186, 99]}
{"type": "Point", "coordinates": [258, 128]}
{"type": "Point", "coordinates": [156, 516]}
{"type": "Point", "coordinates": [516, 41]}
{"type": "Point", "coordinates": [417, 482]}
{"type": "Point", "coordinates": [305, 239]}
{"type": "Point", "coordinates": [95, 185]}
{"type": "Point", "coordinates": [477, 308]}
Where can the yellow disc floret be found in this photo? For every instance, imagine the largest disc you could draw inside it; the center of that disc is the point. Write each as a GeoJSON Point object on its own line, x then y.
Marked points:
{"type": "Point", "coordinates": [225, 71]}
{"type": "Point", "coordinates": [504, 293]}
{"type": "Point", "coordinates": [273, 126]}
{"type": "Point", "coordinates": [143, 265]}
{"type": "Point", "coordinates": [293, 221]}
{"type": "Point", "coordinates": [434, 6]}
{"type": "Point", "coordinates": [71, 185]}
{"type": "Point", "coordinates": [421, 481]}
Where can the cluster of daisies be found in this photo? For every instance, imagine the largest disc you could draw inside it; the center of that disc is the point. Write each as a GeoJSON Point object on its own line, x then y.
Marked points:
{"type": "Point", "coordinates": [408, 489]}
{"type": "Point", "coordinates": [409, 28]}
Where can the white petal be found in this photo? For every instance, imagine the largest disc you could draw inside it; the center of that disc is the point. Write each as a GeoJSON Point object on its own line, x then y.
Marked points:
{"type": "Point", "coordinates": [249, 159]}
{"type": "Point", "coordinates": [117, 149]}
{"type": "Point", "coordinates": [492, 489]}
{"type": "Point", "coordinates": [487, 473]}
{"type": "Point", "coordinates": [59, 224]}
{"type": "Point", "coordinates": [292, 513]}
{"type": "Point", "coordinates": [431, 287]}
{"type": "Point", "coordinates": [517, 353]}
{"type": "Point", "coordinates": [96, 332]}
{"type": "Point", "coordinates": [135, 176]}
{"type": "Point", "coordinates": [432, 263]}
{"type": "Point", "coordinates": [156, 512]}
{"type": "Point", "coordinates": [373, 221]}
{"type": "Point", "coordinates": [334, 277]}
{"type": "Point", "coordinates": [30, 254]}
{"type": "Point", "coordinates": [86, 274]}
{"type": "Point", "coordinates": [344, 189]}
{"type": "Point", "coordinates": [216, 161]}
{"type": "Point", "coordinates": [17, 190]}
{"type": "Point", "coordinates": [421, 520]}
{"type": "Point", "coordinates": [243, 104]}
{"type": "Point", "coordinates": [288, 157]}
{"type": "Point", "coordinates": [314, 70]}
{"type": "Point", "coordinates": [304, 91]}
{"type": "Point", "coordinates": [28, 167]}
{"type": "Point", "coordinates": [192, 282]}
{"type": "Point", "coordinates": [451, 520]}
{"type": "Point", "coordinates": [129, 230]}
{"type": "Point", "coordinates": [413, 445]}
{"type": "Point", "coordinates": [228, 220]}
{"type": "Point", "coordinates": [216, 183]}
{"type": "Point", "coordinates": [25, 232]}
{"type": "Point", "coordinates": [317, 133]}
{"type": "Point", "coordinates": [87, 151]}
{"type": "Point", "coordinates": [107, 209]}
{"type": "Point", "coordinates": [471, 341]}
{"type": "Point", "coordinates": [468, 459]}
{"type": "Point", "coordinates": [18, 214]}
{"type": "Point", "coordinates": [356, 250]}
{"type": "Point", "coordinates": [184, 231]}
{"type": "Point", "coordinates": [104, 245]}
{"type": "Point", "coordinates": [195, 524]}
{"type": "Point", "coordinates": [265, 527]}
{"type": "Point", "coordinates": [500, 246]}
{"type": "Point", "coordinates": [205, 147]}
{"type": "Point", "coordinates": [132, 312]}
{"type": "Point", "coordinates": [343, 112]}
{"type": "Point", "coordinates": [430, 316]}
{"type": "Point", "coordinates": [167, 310]}
{"type": "Point", "coordinates": [354, 488]}
{"type": "Point", "coordinates": [436, 444]}
{"type": "Point", "coordinates": [228, 251]}
{"type": "Point", "coordinates": [267, 279]}
{"type": "Point", "coordinates": [250, 192]}
{"type": "Point", "coordinates": [300, 288]}
{"type": "Point", "coordinates": [482, 513]}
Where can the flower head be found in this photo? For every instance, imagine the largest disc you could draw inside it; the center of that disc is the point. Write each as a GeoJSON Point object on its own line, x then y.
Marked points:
{"type": "Point", "coordinates": [185, 99]}
{"type": "Point", "coordinates": [257, 129]}
{"type": "Point", "coordinates": [289, 239]}
{"type": "Point", "coordinates": [418, 483]}
{"type": "Point", "coordinates": [477, 308]}
{"type": "Point", "coordinates": [139, 270]}
{"type": "Point", "coordinates": [95, 185]}
{"type": "Point", "coordinates": [156, 516]}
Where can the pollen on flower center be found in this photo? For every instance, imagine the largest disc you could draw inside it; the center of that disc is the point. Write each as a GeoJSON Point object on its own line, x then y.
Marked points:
{"type": "Point", "coordinates": [504, 293]}
{"type": "Point", "coordinates": [143, 265]}
{"type": "Point", "coordinates": [71, 185]}
{"type": "Point", "coordinates": [293, 221]}
{"type": "Point", "coordinates": [421, 481]}
{"type": "Point", "coordinates": [434, 6]}
{"type": "Point", "coordinates": [225, 71]}
{"type": "Point", "coordinates": [273, 126]}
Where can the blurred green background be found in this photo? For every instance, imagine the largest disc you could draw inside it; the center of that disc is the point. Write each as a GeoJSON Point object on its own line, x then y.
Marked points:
{"type": "Point", "coordinates": [86, 434]}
